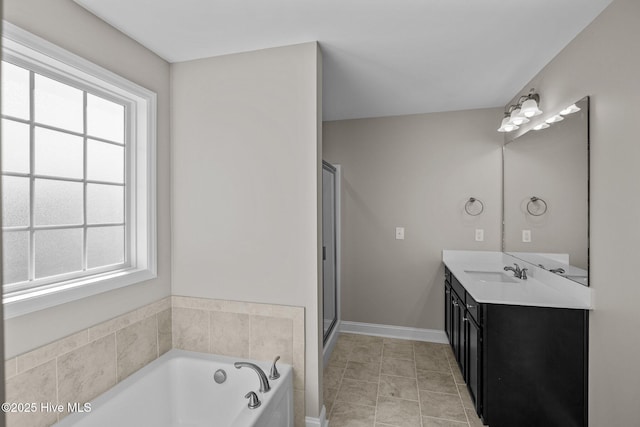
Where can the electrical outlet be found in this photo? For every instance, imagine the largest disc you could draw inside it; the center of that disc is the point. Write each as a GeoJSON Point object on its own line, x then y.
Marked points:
{"type": "Point", "coordinates": [479, 235]}
{"type": "Point", "coordinates": [526, 236]}
{"type": "Point", "coordinates": [399, 233]}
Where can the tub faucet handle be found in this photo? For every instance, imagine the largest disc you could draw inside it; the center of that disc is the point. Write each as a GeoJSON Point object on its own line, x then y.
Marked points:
{"type": "Point", "coordinates": [254, 402]}
{"type": "Point", "coordinates": [274, 374]}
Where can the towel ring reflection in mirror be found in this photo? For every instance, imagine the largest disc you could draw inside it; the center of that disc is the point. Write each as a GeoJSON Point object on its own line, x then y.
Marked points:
{"type": "Point", "coordinates": [536, 206]}
{"type": "Point", "coordinates": [474, 207]}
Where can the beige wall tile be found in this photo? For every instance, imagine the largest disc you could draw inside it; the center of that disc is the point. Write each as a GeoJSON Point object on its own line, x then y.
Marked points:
{"type": "Point", "coordinates": [110, 326]}
{"type": "Point", "coordinates": [51, 351]}
{"type": "Point", "coordinates": [136, 345]}
{"type": "Point", "coordinates": [298, 408]}
{"type": "Point", "coordinates": [271, 337]}
{"type": "Point", "coordinates": [165, 341]}
{"type": "Point", "coordinates": [36, 385]}
{"type": "Point", "coordinates": [190, 329]}
{"type": "Point", "coordinates": [86, 372]}
{"type": "Point", "coordinates": [230, 333]}
{"type": "Point", "coordinates": [10, 368]}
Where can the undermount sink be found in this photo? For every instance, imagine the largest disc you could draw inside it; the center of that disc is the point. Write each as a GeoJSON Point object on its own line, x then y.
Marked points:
{"type": "Point", "coordinates": [491, 276]}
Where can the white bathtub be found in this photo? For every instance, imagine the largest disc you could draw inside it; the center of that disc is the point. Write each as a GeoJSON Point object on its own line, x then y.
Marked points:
{"type": "Point", "coordinates": [178, 390]}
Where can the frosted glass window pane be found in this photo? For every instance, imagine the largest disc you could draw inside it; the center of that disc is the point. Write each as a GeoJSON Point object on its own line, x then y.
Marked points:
{"type": "Point", "coordinates": [105, 203]}
{"type": "Point", "coordinates": [15, 91]}
{"type": "Point", "coordinates": [15, 201]}
{"type": "Point", "coordinates": [58, 154]}
{"type": "Point", "coordinates": [58, 104]}
{"type": "Point", "coordinates": [105, 246]}
{"type": "Point", "coordinates": [15, 263]}
{"type": "Point", "coordinates": [58, 202]}
{"type": "Point", "coordinates": [105, 119]}
{"type": "Point", "coordinates": [15, 147]}
{"type": "Point", "coordinates": [105, 162]}
{"type": "Point", "coordinates": [58, 251]}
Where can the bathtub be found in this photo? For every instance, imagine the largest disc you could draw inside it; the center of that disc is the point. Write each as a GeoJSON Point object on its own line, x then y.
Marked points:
{"type": "Point", "coordinates": [178, 390]}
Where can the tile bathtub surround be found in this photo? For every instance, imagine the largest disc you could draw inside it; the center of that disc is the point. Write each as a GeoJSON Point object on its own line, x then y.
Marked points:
{"type": "Point", "coordinates": [382, 382]}
{"type": "Point", "coordinates": [244, 330]}
{"type": "Point", "coordinates": [81, 366]}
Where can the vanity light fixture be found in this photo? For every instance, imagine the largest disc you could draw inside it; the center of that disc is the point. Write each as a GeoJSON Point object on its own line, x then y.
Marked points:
{"type": "Point", "coordinates": [541, 126]}
{"type": "Point", "coordinates": [506, 125]}
{"type": "Point", "coordinates": [555, 119]}
{"type": "Point", "coordinates": [570, 110]}
{"type": "Point", "coordinates": [520, 112]}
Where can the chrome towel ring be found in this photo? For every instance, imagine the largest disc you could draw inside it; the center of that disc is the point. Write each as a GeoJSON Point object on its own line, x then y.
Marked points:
{"type": "Point", "coordinates": [474, 207]}
{"type": "Point", "coordinates": [536, 206]}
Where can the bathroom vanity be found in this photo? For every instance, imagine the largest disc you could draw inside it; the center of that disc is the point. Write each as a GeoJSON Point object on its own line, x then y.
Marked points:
{"type": "Point", "coordinates": [521, 345]}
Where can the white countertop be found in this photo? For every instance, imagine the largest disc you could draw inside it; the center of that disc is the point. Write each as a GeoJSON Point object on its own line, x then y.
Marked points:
{"type": "Point", "coordinates": [541, 289]}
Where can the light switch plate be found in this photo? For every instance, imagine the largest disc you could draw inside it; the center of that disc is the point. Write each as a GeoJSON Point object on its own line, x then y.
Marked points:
{"type": "Point", "coordinates": [479, 235]}
{"type": "Point", "coordinates": [399, 233]}
{"type": "Point", "coordinates": [526, 236]}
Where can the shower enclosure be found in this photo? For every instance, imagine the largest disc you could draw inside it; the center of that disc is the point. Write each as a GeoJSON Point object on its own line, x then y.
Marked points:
{"type": "Point", "coordinates": [329, 249]}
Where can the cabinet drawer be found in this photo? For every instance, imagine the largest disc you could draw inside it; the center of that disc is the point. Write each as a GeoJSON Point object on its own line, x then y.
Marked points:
{"type": "Point", "coordinates": [473, 308]}
{"type": "Point", "coordinates": [458, 288]}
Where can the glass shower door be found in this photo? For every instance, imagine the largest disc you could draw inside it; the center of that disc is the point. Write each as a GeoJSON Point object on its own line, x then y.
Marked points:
{"type": "Point", "coordinates": [329, 248]}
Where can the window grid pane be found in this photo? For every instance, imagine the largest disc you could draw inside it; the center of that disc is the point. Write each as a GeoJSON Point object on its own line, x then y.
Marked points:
{"type": "Point", "coordinates": [41, 265]}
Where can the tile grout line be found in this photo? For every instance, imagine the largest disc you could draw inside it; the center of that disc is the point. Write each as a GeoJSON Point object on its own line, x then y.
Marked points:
{"type": "Point", "coordinates": [458, 390]}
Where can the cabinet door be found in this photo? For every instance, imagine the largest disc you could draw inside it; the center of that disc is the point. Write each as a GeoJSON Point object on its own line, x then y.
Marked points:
{"type": "Point", "coordinates": [473, 347]}
{"type": "Point", "coordinates": [457, 332]}
{"type": "Point", "coordinates": [447, 310]}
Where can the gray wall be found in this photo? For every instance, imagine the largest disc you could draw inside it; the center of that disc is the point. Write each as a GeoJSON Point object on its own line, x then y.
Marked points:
{"type": "Point", "coordinates": [246, 175]}
{"type": "Point", "coordinates": [73, 28]}
{"type": "Point", "coordinates": [415, 172]}
{"type": "Point", "coordinates": [604, 62]}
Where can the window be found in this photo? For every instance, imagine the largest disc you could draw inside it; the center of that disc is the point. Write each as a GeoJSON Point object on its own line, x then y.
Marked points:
{"type": "Point", "coordinates": [78, 181]}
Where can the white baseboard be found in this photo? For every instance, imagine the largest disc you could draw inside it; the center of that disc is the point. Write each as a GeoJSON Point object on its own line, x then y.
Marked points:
{"type": "Point", "coordinates": [331, 343]}
{"type": "Point", "coordinates": [321, 421]}
{"type": "Point", "coordinates": [389, 331]}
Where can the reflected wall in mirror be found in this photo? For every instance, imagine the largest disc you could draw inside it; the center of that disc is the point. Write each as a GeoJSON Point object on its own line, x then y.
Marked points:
{"type": "Point", "coordinates": [546, 196]}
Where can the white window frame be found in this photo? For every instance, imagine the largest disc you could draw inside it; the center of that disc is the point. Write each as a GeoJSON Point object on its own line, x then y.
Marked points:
{"type": "Point", "coordinates": [25, 49]}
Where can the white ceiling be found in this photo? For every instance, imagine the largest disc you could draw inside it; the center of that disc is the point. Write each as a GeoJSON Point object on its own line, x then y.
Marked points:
{"type": "Point", "coordinates": [380, 57]}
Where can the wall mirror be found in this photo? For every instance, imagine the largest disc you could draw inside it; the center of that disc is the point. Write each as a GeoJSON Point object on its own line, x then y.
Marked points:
{"type": "Point", "coordinates": [546, 195]}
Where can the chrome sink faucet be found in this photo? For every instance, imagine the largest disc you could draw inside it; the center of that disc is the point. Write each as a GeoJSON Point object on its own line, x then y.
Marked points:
{"type": "Point", "coordinates": [264, 382]}
{"type": "Point", "coordinates": [517, 272]}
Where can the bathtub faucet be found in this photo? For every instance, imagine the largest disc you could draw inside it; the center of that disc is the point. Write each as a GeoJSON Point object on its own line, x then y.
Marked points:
{"type": "Point", "coordinates": [264, 382]}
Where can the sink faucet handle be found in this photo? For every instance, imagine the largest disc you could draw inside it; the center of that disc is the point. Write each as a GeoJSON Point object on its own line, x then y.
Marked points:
{"type": "Point", "coordinates": [254, 402]}
{"type": "Point", "coordinates": [274, 374]}
{"type": "Point", "coordinates": [517, 268]}
{"type": "Point", "coordinates": [524, 273]}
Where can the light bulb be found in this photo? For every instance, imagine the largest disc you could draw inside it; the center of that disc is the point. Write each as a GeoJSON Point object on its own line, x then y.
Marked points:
{"type": "Point", "coordinates": [570, 110]}
{"type": "Point", "coordinates": [541, 126]}
{"type": "Point", "coordinates": [555, 119]}
{"type": "Point", "coordinates": [517, 118]}
{"type": "Point", "coordinates": [506, 126]}
{"type": "Point", "coordinates": [530, 108]}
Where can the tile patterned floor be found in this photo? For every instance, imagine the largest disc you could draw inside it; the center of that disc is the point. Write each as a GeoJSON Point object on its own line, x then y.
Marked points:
{"type": "Point", "coordinates": [382, 382]}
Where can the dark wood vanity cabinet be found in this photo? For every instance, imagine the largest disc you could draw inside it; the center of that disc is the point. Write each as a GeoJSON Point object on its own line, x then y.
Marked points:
{"type": "Point", "coordinates": [523, 365]}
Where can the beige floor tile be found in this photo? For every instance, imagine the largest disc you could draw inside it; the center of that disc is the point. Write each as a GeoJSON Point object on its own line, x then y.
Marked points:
{"type": "Point", "coordinates": [433, 361]}
{"type": "Point", "coordinates": [436, 381]}
{"type": "Point", "coordinates": [474, 420]}
{"type": "Point", "coordinates": [359, 392]}
{"type": "Point", "coordinates": [464, 395]}
{"type": "Point", "coordinates": [398, 351]}
{"type": "Point", "coordinates": [363, 371]}
{"type": "Point", "coordinates": [398, 341]}
{"type": "Point", "coordinates": [442, 405]}
{"type": "Point", "coordinates": [398, 412]}
{"type": "Point", "coordinates": [398, 387]}
{"type": "Point", "coordinates": [332, 377]}
{"type": "Point", "coordinates": [369, 353]}
{"type": "Point", "coordinates": [437, 422]}
{"type": "Point", "coordinates": [346, 414]}
{"type": "Point", "coordinates": [398, 367]}
{"type": "Point", "coordinates": [329, 396]}
{"type": "Point", "coordinates": [363, 339]}
{"type": "Point", "coordinates": [457, 374]}
{"type": "Point", "coordinates": [422, 347]}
